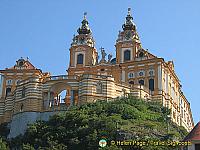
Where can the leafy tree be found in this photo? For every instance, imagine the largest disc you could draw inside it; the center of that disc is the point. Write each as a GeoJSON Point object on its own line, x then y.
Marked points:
{"type": "Point", "coordinates": [82, 127]}
{"type": "Point", "coordinates": [3, 145]}
{"type": "Point", "coordinates": [4, 130]}
{"type": "Point", "coordinates": [27, 147]}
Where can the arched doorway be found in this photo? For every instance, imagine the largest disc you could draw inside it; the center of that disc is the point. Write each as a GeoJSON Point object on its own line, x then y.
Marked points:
{"type": "Point", "coordinates": [60, 94]}
{"type": "Point", "coordinates": [63, 95]}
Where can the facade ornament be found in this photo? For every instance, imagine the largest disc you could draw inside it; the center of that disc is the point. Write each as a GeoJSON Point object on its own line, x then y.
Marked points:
{"type": "Point", "coordinates": [74, 38]}
{"type": "Point", "coordinates": [119, 37]}
{"type": "Point", "coordinates": [97, 59]}
{"type": "Point", "coordinates": [103, 54]}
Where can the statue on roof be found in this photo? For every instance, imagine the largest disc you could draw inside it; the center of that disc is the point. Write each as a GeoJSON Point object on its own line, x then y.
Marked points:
{"type": "Point", "coordinates": [109, 58]}
{"type": "Point", "coordinates": [103, 54]}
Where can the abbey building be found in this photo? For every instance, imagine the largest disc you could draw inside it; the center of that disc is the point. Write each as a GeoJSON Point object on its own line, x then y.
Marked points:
{"type": "Point", "coordinates": [27, 91]}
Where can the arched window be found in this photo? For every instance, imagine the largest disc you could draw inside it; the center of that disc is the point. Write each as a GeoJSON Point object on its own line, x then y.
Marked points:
{"type": "Point", "coordinates": [99, 87]}
{"type": "Point", "coordinates": [127, 55]}
{"type": "Point", "coordinates": [141, 54]}
{"type": "Point", "coordinates": [21, 63]}
{"type": "Point", "coordinates": [23, 92]}
{"type": "Point", "coordinates": [80, 59]}
{"type": "Point", "coordinates": [17, 82]}
{"type": "Point", "coordinates": [131, 82]}
{"type": "Point", "coordinates": [8, 91]}
{"type": "Point", "coordinates": [9, 82]}
{"type": "Point", "coordinates": [151, 84]}
{"type": "Point", "coordinates": [141, 82]}
{"type": "Point", "coordinates": [141, 73]}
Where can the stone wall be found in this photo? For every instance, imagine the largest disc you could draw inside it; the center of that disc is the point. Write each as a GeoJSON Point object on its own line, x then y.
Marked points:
{"type": "Point", "coordinates": [20, 121]}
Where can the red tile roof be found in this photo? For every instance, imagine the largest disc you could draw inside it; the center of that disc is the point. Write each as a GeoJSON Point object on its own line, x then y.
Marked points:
{"type": "Point", "coordinates": [194, 135]}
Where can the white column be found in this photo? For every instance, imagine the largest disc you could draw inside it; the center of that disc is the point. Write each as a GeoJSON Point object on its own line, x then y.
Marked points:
{"type": "Point", "coordinates": [159, 78]}
{"type": "Point", "coordinates": [48, 98]}
{"type": "Point", "coordinates": [123, 76]}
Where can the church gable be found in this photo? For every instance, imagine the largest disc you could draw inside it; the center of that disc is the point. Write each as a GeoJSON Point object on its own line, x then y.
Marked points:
{"type": "Point", "coordinates": [22, 64]}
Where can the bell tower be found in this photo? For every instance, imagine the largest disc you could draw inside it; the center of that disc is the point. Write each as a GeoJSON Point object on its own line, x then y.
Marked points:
{"type": "Point", "coordinates": [127, 43]}
{"type": "Point", "coordinates": [82, 50]}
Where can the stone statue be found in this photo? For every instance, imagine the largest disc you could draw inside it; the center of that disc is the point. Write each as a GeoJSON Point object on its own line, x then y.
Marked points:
{"type": "Point", "coordinates": [109, 57]}
{"type": "Point", "coordinates": [103, 54]}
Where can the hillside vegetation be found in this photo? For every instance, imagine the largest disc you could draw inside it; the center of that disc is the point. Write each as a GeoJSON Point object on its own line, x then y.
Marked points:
{"type": "Point", "coordinates": [82, 127]}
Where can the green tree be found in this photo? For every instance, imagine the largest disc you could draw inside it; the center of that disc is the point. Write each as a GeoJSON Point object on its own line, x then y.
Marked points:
{"type": "Point", "coordinates": [4, 130]}
{"type": "Point", "coordinates": [82, 127]}
{"type": "Point", "coordinates": [3, 145]}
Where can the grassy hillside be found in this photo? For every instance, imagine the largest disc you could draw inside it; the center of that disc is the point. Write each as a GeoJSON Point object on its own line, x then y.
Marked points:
{"type": "Point", "coordinates": [82, 127]}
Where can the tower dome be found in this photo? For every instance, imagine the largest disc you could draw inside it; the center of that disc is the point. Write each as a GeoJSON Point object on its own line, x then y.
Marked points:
{"type": "Point", "coordinates": [129, 24]}
{"type": "Point", "coordinates": [84, 29]}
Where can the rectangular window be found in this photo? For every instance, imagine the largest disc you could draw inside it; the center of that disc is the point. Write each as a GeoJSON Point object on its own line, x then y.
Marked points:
{"type": "Point", "coordinates": [127, 55]}
{"type": "Point", "coordinates": [80, 59]}
{"type": "Point", "coordinates": [151, 84]}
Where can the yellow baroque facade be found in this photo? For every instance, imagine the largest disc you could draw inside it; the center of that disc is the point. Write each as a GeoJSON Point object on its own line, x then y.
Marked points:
{"type": "Point", "coordinates": [24, 88]}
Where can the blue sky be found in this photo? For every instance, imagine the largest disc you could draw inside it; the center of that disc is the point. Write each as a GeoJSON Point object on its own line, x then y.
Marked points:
{"type": "Point", "coordinates": [43, 29]}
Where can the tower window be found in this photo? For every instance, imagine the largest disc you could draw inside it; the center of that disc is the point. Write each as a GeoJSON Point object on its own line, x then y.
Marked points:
{"type": "Point", "coordinates": [80, 59]}
{"type": "Point", "coordinates": [99, 87]}
{"type": "Point", "coordinates": [127, 55]}
{"type": "Point", "coordinates": [23, 92]}
{"type": "Point", "coordinates": [21, 63]}
{"type": "Point", "coordinates": [141, 54]}
{"type": "Point", "coordinates": [141, 82]}
{"type": "Point", "coordinates": [151, 84]}
{"type": "Point", "coordinates": [8, 91]}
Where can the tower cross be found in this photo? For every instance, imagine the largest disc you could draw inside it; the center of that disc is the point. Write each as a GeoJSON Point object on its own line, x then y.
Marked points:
{"type": "Point", "coordinates": [85, 14]}
{"type": "Point", "coordinates": [129, 11]}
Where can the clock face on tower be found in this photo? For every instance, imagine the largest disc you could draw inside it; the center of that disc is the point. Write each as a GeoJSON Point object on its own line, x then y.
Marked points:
{"type": "Point", "coordinates": [127, 35]}
{"type": "Point", "coordinates": [82, 40]}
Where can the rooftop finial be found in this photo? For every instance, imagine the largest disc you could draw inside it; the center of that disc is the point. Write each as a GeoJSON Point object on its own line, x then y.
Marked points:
{"type": "Point", "coordinates": [84, 29]}
{"type": "Point", "coordinates": [85, 14]}
{"type": "Point", "coordinates": [129, 11]}
{"type": "Point", "coordinates": [129, 24]}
